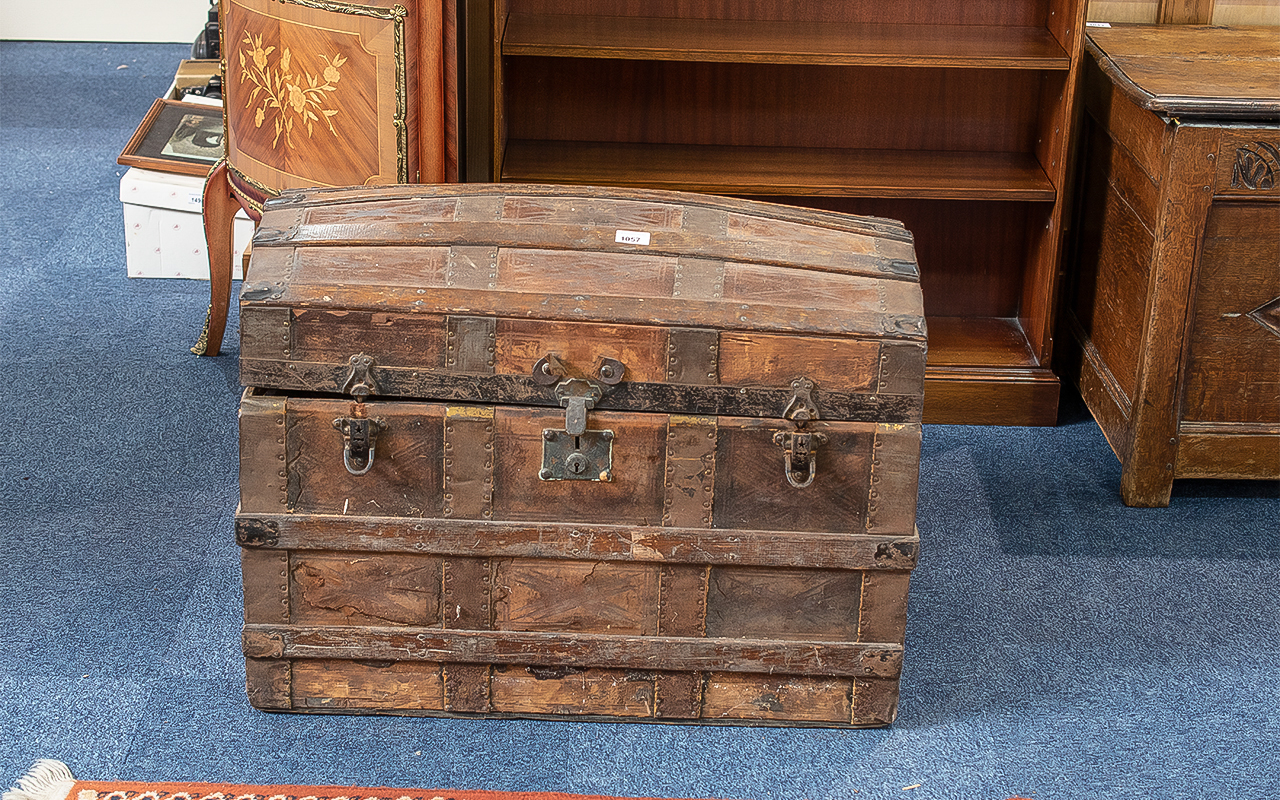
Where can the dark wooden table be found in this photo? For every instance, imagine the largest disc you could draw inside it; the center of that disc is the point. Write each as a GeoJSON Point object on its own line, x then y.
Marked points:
{"type": "Point", "coordinates": [1173, 298]}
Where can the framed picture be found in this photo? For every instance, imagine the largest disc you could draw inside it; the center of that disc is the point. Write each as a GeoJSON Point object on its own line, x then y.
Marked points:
{"type": "Point", "coordinates": [183, 138]}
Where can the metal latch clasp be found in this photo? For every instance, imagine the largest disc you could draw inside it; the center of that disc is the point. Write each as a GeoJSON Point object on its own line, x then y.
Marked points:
{"type": "Point", "coordinates": [799, 447]}
{"type": "Point", "coordinates": [799, 456]}
{"type": "Point", "coordinates": [360, 382]}
{"type": "Point", "coordinates": [359, 441]}
{"type": "Point", "coordinates": [577, 397]}
{"type": "Point", "coordinates": [576, 453]}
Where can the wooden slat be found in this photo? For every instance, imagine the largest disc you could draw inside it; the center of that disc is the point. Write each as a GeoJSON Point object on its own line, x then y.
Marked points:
{"type": "Point", "coordinates": [466, 604]}
{"type": "Point", "coordinates": [269, 683]}
{"type": "Point", "coordinates": [596, 542]}
{"type": "Point", "coordinates": [574, 650]}
{"type": "Point", "coordinates": [782, 42]}
{"type": "Point", "coordinates": [468, 462]}
{"type": "Point", "coordinates": [522, 390]}
{"type": "Point", "coordinates": [689, 482]}
{"type": "Point", "coordinates": [882, 613]}
{"type": "Point", "coordinates": [388, 686]}
{"type": "Point", "coordinates": [576, 596]}
{"type": "Point", "coordinates": [265, 578]}
{"type": "Point", "coordinates": [764, 697]}
{"type": "Point", "coordinates": [973, 12]}
{"type": "Point", "coordinates": [775, 171]}
{"type": "Point", "coordinates": [364, 588]}
{"type": "Point", "coordinates": [282, 221]}
{"type": "Point", "coordinates": [682, 611]}
{"type": "Point", "coordinates": [787, 604]}
{"type": "Point", "coordinates": [895, 478]}
{"type": "Point", "coordinates": [573, 692]}
{"type": "Point", "coordinates": [1209, 450]}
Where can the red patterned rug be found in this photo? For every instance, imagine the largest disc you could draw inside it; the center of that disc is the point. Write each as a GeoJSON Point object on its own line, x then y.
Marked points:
{"type": "Point", "coordinates": [52, 780]}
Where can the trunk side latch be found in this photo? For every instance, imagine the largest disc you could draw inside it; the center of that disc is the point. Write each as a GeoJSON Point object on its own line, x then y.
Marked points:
{"type": "Point", "coordinates": [799, 447]}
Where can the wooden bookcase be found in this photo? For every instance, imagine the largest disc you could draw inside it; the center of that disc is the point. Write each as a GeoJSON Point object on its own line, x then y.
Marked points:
{"type": "Point", "coordinates": [951, 117]}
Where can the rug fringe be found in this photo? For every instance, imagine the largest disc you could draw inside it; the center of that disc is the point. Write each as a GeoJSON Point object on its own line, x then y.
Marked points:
{"type": "Point", "coordinates": [46, 780]}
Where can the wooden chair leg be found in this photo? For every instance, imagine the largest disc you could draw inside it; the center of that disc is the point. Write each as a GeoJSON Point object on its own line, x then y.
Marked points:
{"type": "Point", "coordinates": [220, 207]}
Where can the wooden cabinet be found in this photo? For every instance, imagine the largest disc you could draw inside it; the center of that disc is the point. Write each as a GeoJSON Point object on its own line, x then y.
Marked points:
{"type": "Point", "coordinates": [1173, 297]}
{"type": "Point", "coordinates": [951, 117]}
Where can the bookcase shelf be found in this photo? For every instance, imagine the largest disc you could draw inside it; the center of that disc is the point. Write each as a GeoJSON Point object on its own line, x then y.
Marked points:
{"type": "Point", "coordinates": [954, 118]}
{"type": "Point", "coordinates": [783, 42]}
{"type": "Point", "coordinates": [781, 170]}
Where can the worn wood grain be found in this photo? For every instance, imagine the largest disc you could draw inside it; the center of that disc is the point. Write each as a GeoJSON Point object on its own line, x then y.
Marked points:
{"type": "Point", "coordinates": [760, 697]}
{"type": "Point", "coordinates": [469, 458]}
{"type": "Point", "coordinates": [874, 702]}
{"type": "Point", "coordinates": [893, 482]}
{"type": "Point", "coordinates": [579, 596]}
{"type": "Point", "coordinates": [882, 610]}
{"type": "Point", "coordinates": [364, 589]}
{"type": "Point", "coordinates": [752, 490]}
{"type": "Point", "coordinates": [404, 478]}
{"type": "Point", "coordinates": [684, 399]}
{"type": "Point", "coordinates": [617, 693]}
{"type": "Point", "coordinates": [269, 683]}
{"type": "Point", "coordinates": [467, 688]}
{"type": "Point", "coordinates": [603, 542]}
{"type": "Point", "coordinates": [632, 492]}
{"type": "Point", "coordinates": [363, 685]}
{"type": "Point", "coordinates": [573, 650]}
{"type": "Point", "coordinates": [462, 202]}
{"type": "Point", "coordinates": [1231, 450]}
{"type": "Point", "coordinates": [748, 359]}
{"type": "Point", "coordinates": [1233, 338]}
{"type": "Point", "coordinates": [522, 343]}
{"type": "Point", "coordinates": [1149, 477]}
{"type": "Point", "coordinates": [786, 604]}
{"type": "Point", "coordinates": [1231, 76]}
{"type": "Point", "coordinates": [265, 581]}
{"type": "Point", "coordinates": [399, 339]}
{"type": "Point", "coordinates": [689, 481]}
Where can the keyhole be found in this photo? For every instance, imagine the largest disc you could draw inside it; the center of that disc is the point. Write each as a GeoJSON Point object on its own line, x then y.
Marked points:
{"type": "Point", "coordinates": [576, 463]}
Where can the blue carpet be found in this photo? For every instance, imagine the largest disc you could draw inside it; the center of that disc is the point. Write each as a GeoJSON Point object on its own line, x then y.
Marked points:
{"type": "Point", "coordinates": [1060, 645]}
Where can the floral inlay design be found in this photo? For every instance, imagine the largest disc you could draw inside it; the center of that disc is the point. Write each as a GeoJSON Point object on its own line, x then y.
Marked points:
{"type": "Point", "coordinates": [290, 98]}
{"type": "Point", "coordinates": [1256, 166]}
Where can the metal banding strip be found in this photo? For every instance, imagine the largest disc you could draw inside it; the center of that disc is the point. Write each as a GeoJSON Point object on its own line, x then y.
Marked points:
{"type": "Point", "coordinates": [471, 344]}
{"type": "Point", "coordinates": [468, 462]}
{"type": "Point", "coordinates": [432, 386]}
{"type": "Point", "coordinates": [693, 356]}
{"type": "Point", "coordinates": [689, 483]}
{"type": "Point", "coordinates": [682, 611]}
{"type": "Point", "coordinates": [466, 604]}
